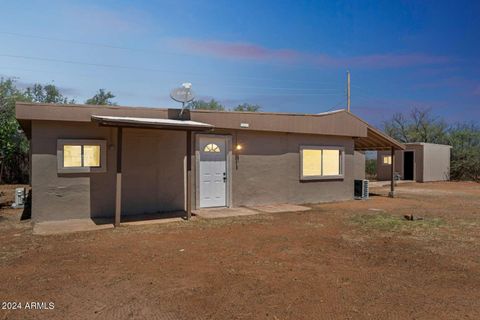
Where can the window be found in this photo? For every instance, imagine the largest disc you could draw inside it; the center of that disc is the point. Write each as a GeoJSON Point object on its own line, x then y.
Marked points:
{"type": "Point", "coordinates": [321, 162]}
{"type": "Point", "coordinates": [387, 160]}
{"type": "Point", "coordinates": [76, 156]}
{"type": "Point", "coordinates": [211, 147]}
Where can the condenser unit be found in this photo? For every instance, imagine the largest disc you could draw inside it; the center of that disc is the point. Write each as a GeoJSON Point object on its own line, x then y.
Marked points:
{"type": "Point", "coordinates": [20, 195]}
{"type": "Point", "coordinates": [361, 189]}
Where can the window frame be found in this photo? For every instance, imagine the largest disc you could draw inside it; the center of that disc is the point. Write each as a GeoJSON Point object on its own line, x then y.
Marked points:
{"type": "Point", "coordinates": [322, 177]}
{"type": "Point", "coordinates": [82, 142]}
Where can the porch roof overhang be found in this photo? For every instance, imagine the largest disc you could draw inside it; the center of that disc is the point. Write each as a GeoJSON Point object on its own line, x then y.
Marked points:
{"type": "Point", "coordinates": [377, 141]}
{"type": "Point", "coordinates": [151, 123]}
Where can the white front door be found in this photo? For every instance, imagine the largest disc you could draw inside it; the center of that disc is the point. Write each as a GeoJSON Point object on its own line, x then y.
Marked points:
{"type": "Point", "coordinates": [213, 172]}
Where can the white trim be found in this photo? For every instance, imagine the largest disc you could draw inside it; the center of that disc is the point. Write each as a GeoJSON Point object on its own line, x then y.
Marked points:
{"type": "Point", "coordinates": [229, 187]}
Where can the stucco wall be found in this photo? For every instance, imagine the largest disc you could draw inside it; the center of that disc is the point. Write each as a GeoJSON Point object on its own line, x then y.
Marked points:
{"type": "Point", "coordinates": [153, 171]}
{"type": "Point", "coordinates": [267, 170]}
{"type": "Point", "coordinates": [69, 196]}
{"type": "Point", "coordinates": [359, 165]}
{"type": "Point", "coordinates": [152, 179]}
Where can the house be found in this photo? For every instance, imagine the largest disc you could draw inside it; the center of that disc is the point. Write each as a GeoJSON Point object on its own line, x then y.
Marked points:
{"type": "Point", "coordinates": [109, 161]}
{"type": "Point", "coordinates": [421, 162]}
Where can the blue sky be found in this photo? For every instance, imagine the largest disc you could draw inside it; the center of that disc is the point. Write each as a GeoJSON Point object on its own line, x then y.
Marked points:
{"type": "Point", "coordinates": [287, 56]}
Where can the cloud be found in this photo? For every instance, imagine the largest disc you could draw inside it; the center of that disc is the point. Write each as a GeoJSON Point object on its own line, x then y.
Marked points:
{"type": "Point", "coordinates": [249, 51]}
{"type": "Point", "coordinates": [235, 50]}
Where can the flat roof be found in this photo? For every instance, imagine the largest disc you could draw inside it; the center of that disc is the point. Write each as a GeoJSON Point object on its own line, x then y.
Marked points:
{"type": "Point", "coordinates": [334, 123]}
{"type": "Point", "coordinates": [427, 143]}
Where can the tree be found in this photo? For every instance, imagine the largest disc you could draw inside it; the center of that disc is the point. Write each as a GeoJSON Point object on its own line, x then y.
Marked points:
{"type": "Point", "coordinates": [46, 94]}
{"type": "Point", "coordinates": [247, 107]}
{"type": "Point", "coordinates": [465, 142]}
{"type": "Point", "coordinates": [13, 143]}
{"type": "Point", "coordinates": [204, 105]}
{"type": "Point", "coordinates": [102, 97]}
{"type": "Point", "coordinates": [421, 126]}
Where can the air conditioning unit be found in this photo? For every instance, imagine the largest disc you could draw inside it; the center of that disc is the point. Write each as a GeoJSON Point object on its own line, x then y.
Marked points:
{"type": "Point", "coordinates": [20, 195]}
{"type": "Point", "coordinates": [361, 189]}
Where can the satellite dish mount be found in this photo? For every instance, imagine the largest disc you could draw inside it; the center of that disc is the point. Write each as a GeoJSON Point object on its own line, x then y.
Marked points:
{"type": "Point", "coordinates": [184, 94]}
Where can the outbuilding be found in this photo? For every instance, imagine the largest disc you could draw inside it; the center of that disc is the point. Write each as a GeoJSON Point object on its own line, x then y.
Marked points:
{"type": "Point", "coordinates": [110, 161]}
{"type": "Point", "coordinates": [421, 162]}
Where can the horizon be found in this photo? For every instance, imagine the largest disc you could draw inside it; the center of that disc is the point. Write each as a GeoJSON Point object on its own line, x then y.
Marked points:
{"type": "Point", "coordinates": [292, 58]}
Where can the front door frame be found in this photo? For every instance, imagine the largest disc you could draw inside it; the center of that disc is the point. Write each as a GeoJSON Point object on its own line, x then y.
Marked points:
{"type": "Point", "coordinates": [228, 144]}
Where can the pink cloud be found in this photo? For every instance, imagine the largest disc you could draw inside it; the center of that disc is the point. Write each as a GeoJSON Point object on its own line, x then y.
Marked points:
{"type": "Point", "coordinates": [249, 51]}
{"type": "Point", "coordinates": [235, 50]}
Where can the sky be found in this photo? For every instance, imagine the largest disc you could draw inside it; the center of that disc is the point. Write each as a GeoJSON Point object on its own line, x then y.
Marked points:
{"type": "Point", "coordinates": [286, 56]}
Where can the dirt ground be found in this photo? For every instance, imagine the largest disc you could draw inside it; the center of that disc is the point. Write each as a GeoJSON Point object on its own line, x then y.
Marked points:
{"type": "Point", "coordinates": [349, 260]}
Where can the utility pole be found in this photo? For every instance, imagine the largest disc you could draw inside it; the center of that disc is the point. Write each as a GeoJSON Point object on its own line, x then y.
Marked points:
{"type": "Point", "coordinates": [348, 90]}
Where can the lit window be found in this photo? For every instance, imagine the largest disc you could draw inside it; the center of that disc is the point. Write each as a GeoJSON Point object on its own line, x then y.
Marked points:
{"type": "Point", "coordinates": [75, 156]}
{"type": "Point", "coordinates": [91, 156]}
{"type": "Point", "coordinates": [81, 156]}
{"type": "Point", "coordinates": [312, 162]}
{"type": "Point", "coordinates": [321, 162]}
{"type": "Point", "coordinates": [211, 147]}
{"type": "Point", "coordinates": [387, 160]}
{"type": "Point", "coordinates": [72, 156]}
{"type": "Point", "coordinates": [331, 162]}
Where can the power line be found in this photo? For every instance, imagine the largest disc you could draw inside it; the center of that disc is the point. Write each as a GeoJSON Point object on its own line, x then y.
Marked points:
{"type": "Point", "coordinates": [114, 66]}
{"type": "Point", "coordinates": [87, 43]}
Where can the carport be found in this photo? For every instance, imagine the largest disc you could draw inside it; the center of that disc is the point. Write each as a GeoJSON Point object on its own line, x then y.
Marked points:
{"type": "Point", "coordinates": [378, 141]}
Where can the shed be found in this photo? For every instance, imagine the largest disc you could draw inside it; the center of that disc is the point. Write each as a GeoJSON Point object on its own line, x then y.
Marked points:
{"type": "Point", "coordinates": [420, 161]}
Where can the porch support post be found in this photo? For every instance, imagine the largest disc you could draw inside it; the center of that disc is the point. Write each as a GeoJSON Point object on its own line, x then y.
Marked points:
{"type": "Point", "coordinates": [189, 174]}
{"type": "Point", "coordinates": [118, 188]}
{"type": "Point", "coordinates": [391, 194]}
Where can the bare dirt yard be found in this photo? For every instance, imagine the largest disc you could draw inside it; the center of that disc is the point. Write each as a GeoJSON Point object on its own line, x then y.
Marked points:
{"type": "Point", "coordinates": [349, 260]}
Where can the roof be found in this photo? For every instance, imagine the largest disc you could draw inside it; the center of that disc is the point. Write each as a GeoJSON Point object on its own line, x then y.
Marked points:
{"type": "Point", "coordinates": [334, 123]}
{"type": "Point", "coordinates": [427, 144]}
{"type": "Point", "coordinates": [151, 123]}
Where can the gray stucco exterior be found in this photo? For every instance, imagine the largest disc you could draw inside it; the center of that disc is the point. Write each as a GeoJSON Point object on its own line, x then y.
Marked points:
{"type": "Point", "coordinates": [150, 172]}
{"type": "Point", "coordinates": [266, 171]}
{"type": "Point", "coordinates": [431, 162]}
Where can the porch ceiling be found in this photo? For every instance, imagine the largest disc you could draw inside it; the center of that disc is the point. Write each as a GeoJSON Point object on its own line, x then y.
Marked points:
{"type": "Point", "coordinates": [376, 141]}
{"type": "Point", "coordinates": [156, 123]}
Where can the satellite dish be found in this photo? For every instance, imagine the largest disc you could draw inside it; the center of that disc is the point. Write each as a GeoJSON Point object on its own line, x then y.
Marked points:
{"type": "Point", "coordinates": [183, 94]}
